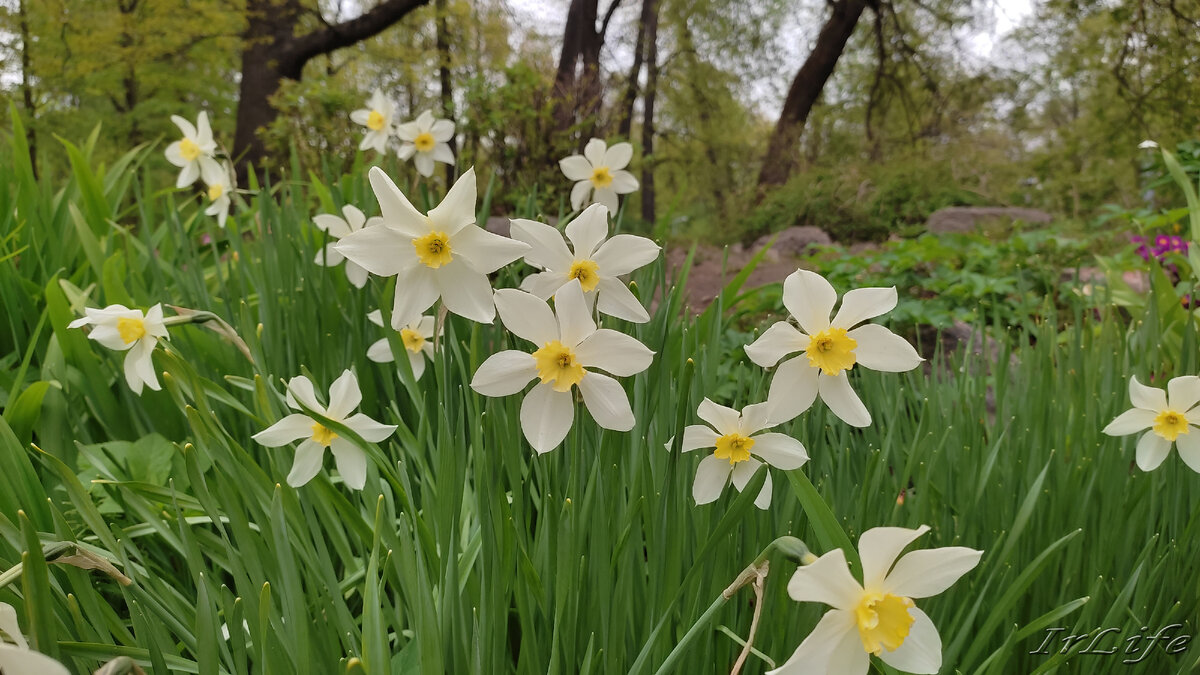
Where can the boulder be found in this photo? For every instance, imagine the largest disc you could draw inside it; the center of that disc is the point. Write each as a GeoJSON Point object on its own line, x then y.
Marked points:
{"type": "Point", "coordinates": [794, 241]}
{"type": "Point", "coordinates": [970, 218]}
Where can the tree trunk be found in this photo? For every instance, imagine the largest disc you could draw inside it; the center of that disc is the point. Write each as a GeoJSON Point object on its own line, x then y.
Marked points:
{"type": "Point", "coordinates": [443, 50]}
{"type": "Point", "coordinates": [650, 16]}
{"type": "Point", "coordinates": [782, 149]}
{"type": "Point", "coordinates": [625, 121]}
{"type": "Point", "coordinates": [273, 52]}
{"type": "Point", "coordinates": [27, 86]}
{"type": "Point", "coordinates": [578, 89]}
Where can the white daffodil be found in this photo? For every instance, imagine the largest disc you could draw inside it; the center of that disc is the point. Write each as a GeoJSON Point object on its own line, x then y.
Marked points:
{"type": "Point", "coordinates": [16, 658]}
{"type": "Point", "coordinates": [353, 220]}
{"type": "Point", "coordinates": [570, 347]}
{"type": "Point", "coordinates": [194, 152]}
{"type": "Point", "coordinates": [377, 118]}
{"type": "Point", "coordinates": [735, 440]}
{"type": "Point", "coordinates": [220, 181]}
{"type": "Point", "coordinates": [877, 616]}
{"type": "Point", "coordinates": [443, 255]}
{"type": "Point", "coordinates": [596, 262]}
{"type": "Point", "coordinates": [1171, 417]}
{"type": "Point", "coordinates": [123, 329]}
{"type": "Point", "coordinates": [417, 337]}
{"type": "Point", "coordinates": [344, 397]}
{"type": "Point", "coordinates": [831, 348]}
{"type": "Point", "coordinates": [426, 140]}
{"type": "Point", "coordinates": [601, 175]}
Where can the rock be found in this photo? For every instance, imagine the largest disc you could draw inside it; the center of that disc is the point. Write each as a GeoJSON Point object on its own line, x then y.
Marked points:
{"type": "Point", "coordinates": [497, 225]}
{"type": "Point", "coordinates": [970, 218]}
{"type": "Point", "coordinates": [794, 241]}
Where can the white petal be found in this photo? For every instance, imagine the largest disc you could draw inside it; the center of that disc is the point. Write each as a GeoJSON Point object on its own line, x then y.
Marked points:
{"type": "Point", "coordinates": [336, 227]}
{"type": "Point", "coordinates": [380, 351]}
{"type": "Point", "coordinates": [594, 151]}
{"type": "Point", "coordinates": [1130, 422]}
{"type": "Point", "coordinates": [880, 546]}
{"type": "Point", "coordinates": [1183, 392]}
{"type": "Point", "coordinates": [355, 218]}
{"type": "Point", "coordinates": [526, 316]}
{"type": "Point", "coordinates": [576, 167]}
{"type": "Point", "coordinates": [618, 155]}
{"type": "Point", "coordinates": [608, 198]}
{"type": "Point", "coordinates": [546, 417]}
{"type": "Point", "coordinates": [188, 129]}
{"type": "Point", "coordinates": [580, 194]}
{"type": "Point", "coordinates": [424, 164]}
{"type": "Point", "coordinates": [776, 342]}
{"type": "Point", "coordinates": [416, 291]}
{"type": "Point", "coordinates": [574, 321]}
{"type": "Point", "coordinates": [307, 463]}
{"type": "Point", "coordinates": [615, 299]}
{"type": "Point", "coordinates": [1152, 449]}
{"type": "Point", "coordinates": [810, 298]}
{"type": "Point", "coordinates": [1189, 448]}
{"type": "Point", "coordinates": [780, 451]}
{"type": "Point", "coordinates": [189, 174]}
{"type": "Point", "coordinates": [442, 153]}
{"type": "Point", "coordinates": [457, 209]}
{"type": "Point", "coordinates": [300, 391]}
{"type": "Point", "coordinates": [881, 349]}
{"type": "Point", "coordinates": [442, 130]}
{"type": "Point", "coordinates": [383, 251]}
{"type": "Point", "coordinates": [139, 366]}
{"type": "Point", "coordinates": [833, 647]}
{"type": "Point", "coordinates": [360, 116]}
{"type": "Point", "coordinates": [623, 182]}
{"type": "Point", "coordinates": [486, 251]}
{"type": "Point", "coordinates": [504, 373]}
{"type": "Point", "coordinates": [724, 420]}
{"type": "Point", "coordinates": [743, 471]}
{"type": "Point", "coordinates": [711, 476]}
{"type": "Point", "coordinates": [616, 353]}
{"type": "Point", "coordinates": [344, 396]}
{"type": "Point", "coordinates": [545, 284]}
{"type": "Point", "coordinates": [826, 580]}
{"type": "Point", "coordinates": [755, 418]}
{"type": "Point", "coordinates": [547, 249]}
{"type": "Point", "coordinates": [397, 211]}
{"type": "Point", "coordinates": [351, 463]}
{"type": "Point", "coordinates": [416, 361]}
{"type": "Point", "coordinates": [921, 574]}
{"type": "Point", "coordinates": [921, 651]}
{"type": "Point", "coordinates": [836, 392]}
{"type": "Point", "coordinates": [861, 304]}
{"type": "Point", "coordinates": [356, 274]}
{"type": "Point", "coordinates": [203, 129]}
{"type": "Point", "coordinates": [763, 500]}
{"type": "Point", "coordinates": [110, 337]}
{"type": "Point", "coordinates": [466, 292]}
{"type": "Point", "coordinates": [588, 230]}
{"type": "Point", "coordinates": [406, 151]}
{"type": "Point", "coordinates": [16, 661]}
{"type": "Point", "coordinates": [287, 430]}
{"type": "Point", "coordinates": [8, 624]}
{"type": "Point", "coordinates": [1148, 398]}
{"type": "Point", "coordinates": [606, 401]}
{"type": "Point", "coordinates": [793, 389]}
{"type": "Point", "coordinates": [329, 256]}
{"type": "Point", "coordinates": [696, 436]}
{"type": "Point", "coordinates": [625, 253]}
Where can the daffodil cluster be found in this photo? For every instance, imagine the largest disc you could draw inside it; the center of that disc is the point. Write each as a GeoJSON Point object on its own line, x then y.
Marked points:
{"type": "Point", "coordinates": [425, 140]}
{"type": "Point", "coordinates": [197, 156]}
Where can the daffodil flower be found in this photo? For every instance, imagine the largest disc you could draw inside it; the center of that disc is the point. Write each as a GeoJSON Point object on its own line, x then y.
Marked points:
{"type": "Point", "coordinates": [353, 220]}
{"type": "Point", "coordinates": [569, 349]}
{"type": "Point", "coordinates": [377, 118]}
{"type": "Point", "coordinates": [128, 330]}
{"type": "Point", "coordinates": [220, 183]}
{"type": "Point", "coordinates": [344, 397]}
{"type": "Point", "coordinates": [829, 348]}
{"type": "Point", "coordinates": [16, 658]}
{"type": "Point", "coordinates": [442, 255]}
{"type": "Point", "coordinates": [194, 152]}
{"type": "Point", "coordinates": [426, 140]}
{"type": "Point", "coordinates": [736, 441]}
{"type": "Point", "coordinates": [597, 261]}
{"type": "Point", "coordinates": [417, 337]}
{"type": "Point", "coordinates": [877, 616]}
{"type": "Point", "coordinates": [600, 174]}
{"type": "Point", "coordinates": [1171, 417]}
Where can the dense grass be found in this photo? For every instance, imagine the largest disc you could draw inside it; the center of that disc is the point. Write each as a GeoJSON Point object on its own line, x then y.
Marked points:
{"type": "Point", "coordinates": [466, 553]}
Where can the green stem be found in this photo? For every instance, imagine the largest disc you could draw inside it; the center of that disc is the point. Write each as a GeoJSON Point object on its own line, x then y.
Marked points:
{"type": "Point", "coordinates": [677, 653]}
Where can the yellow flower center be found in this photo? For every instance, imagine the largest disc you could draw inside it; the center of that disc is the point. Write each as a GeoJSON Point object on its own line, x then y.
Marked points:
{"type": "Point", "coordinates": [214, 192]}
{"type": "Point", "coordinates": [376, 120]}
{"type": "Point", "coordinates": [734, 447]}
{"type": "Point", "coordinates": [131, 330]}
{"type": "Point", "coordinates": [556, 363]}
{"type": "Point", "coordinates": [1170, 424]}
{"type": "Point", "coordinates": [831, 350]}
{"type": "Point", "coordinates": [883, 621]}
{"type": "Point", "coordinates": [189, 149]}
{"type": "Point", "coordinates": [424, 141]}
{"type": "Point", "coordinates": [413, 341]}
{"type": "Point", "coordinates": [601, 177]}
{"type": "Point", "coordinates": [433, 249]}
{"type": "Point", "coordinates": [322, 434]}
{"type": "Point", "coordinates": [587, 272]}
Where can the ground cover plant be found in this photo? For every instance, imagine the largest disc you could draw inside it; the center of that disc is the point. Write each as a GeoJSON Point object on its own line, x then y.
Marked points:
{"type": "Point", "coordinates": [175, 367]}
